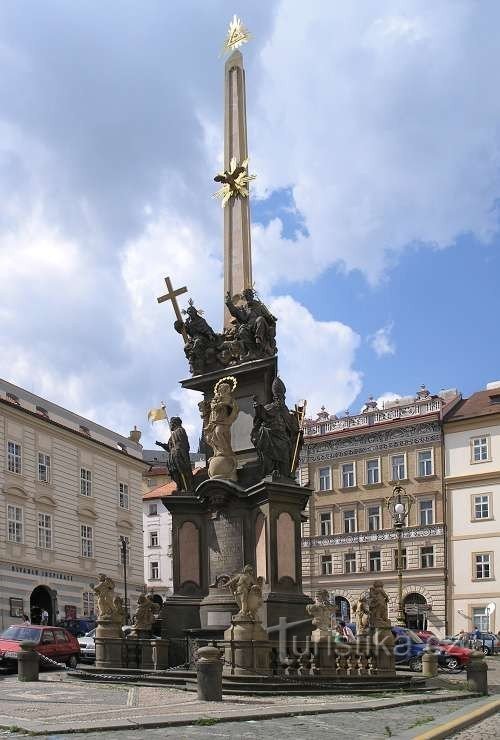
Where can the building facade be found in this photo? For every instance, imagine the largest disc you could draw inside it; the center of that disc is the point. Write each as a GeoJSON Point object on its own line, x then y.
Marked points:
{"type": "Point", "coordinates": [157, 526]}
{"type": "Point", "coordinates": [70, 489]}
{"type": "Point", "coordinates": [349, 540]}
{"type": "Point", "coordinates": [472, 468]}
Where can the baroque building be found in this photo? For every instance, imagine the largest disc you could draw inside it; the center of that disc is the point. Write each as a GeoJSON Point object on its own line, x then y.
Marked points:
{"type": "Point", "coordinates": [70, 489]}
{"type": "Point", "coordinates": [353, 463]}
{"type": "Point", "coordinates": [472, 455]}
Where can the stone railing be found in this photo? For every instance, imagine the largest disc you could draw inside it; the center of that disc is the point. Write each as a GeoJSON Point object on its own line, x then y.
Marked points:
{"type": "Point", "coordinates": [373, 417]}
{"type": "Point", "coordinates": [385, 535]}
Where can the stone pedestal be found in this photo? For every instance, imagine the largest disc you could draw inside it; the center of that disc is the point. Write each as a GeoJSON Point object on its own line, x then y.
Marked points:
{"type": "Point", "coordinates": [108, 652]}
{"type": "Point", "coordinates": [147, 654]}
{"type": "Point", "coordinates": [382, 652]}
{"type": "Point", "coordinates": [249, 650]}
{"type": "Point", "coordinates": [28, 661]}
{"type": "Point", "coordinates": [209, 673]}
{"type": "Point", "coordinates": [324, 656]}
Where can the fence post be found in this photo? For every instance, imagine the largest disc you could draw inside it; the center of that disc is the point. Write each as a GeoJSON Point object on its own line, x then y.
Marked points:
{"type": "Point", "coordinates": [209, 673]}
{"type": "Point", "coordinates": [28, 662]}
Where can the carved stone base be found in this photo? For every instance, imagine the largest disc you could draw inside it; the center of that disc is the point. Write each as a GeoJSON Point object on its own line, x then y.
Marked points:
{"type": "Point", "coordinates": [108, 652]}
{"type": "Point", "coordinates": [222, 467]}
{"type": "Point", "coordinates": [249, 649]}
{"type": "Point", "coordinates": [145, 654]}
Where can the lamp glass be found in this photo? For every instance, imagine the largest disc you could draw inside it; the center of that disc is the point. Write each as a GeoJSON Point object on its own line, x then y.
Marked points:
{"type": "Point", "coordinates": [399, 508]}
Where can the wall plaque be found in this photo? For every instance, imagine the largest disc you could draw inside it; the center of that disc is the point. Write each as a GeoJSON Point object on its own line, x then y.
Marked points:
{"type": "Point", "coordinates": [225, 546]}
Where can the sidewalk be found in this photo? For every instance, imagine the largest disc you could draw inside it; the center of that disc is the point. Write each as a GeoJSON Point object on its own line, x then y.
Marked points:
{"type": "Point", "coordinates": [57, 704]}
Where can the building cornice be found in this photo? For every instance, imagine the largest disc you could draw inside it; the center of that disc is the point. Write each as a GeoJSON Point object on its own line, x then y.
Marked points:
{"type": "Point", "coordinates": [494, 475]}
{"type": "Point", "coordinates": [387, 535]}
{"type": "Point", "coordinates": [450, 426]}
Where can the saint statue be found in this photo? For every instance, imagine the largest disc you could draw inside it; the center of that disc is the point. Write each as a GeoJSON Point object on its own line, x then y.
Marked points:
{"type": "Point", "coordinates": [362, 615]}
{"type": "Point", "coordinates": [200, 348]}
{"type": "Point", "coordinates": [377, 602]}
{"type": "Point", "coordinates": [275, 432]}
{"type": "Point", "coordinates": [256, 326]}
{"type": "Point", "coordinates": [321, 612]}
{"type": "Point", "coordinates": [104, 592]}
{"type": "Point", "coordinates": [247, 592]}
{"type": "Point", "coordinates": [223, 413]}
{"type": "Point", "coordinates": [178, 460]}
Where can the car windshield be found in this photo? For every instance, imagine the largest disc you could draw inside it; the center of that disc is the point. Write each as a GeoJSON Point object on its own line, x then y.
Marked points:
{"type": "Point", "coordinates": [90, 634]}
{"type": "Point", "coordinates": [413, 637]}
{"type": "Point", "coordinates": [21, 633]}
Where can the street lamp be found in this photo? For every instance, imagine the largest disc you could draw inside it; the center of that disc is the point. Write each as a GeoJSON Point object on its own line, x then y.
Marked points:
{"type": "Point", "coordinates": [124, 553]}
{"type": "Point", "coordinates": [399, 505]}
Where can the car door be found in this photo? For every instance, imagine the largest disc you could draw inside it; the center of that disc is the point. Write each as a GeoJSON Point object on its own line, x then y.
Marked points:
{"type": "Point", "coordinates": [64, 648]}
{"type": "Point", "coordinates": [47, 644]}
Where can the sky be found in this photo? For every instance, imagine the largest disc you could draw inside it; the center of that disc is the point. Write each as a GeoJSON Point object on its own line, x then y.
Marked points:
{"type": "Point", "coordinates": [374, 132]}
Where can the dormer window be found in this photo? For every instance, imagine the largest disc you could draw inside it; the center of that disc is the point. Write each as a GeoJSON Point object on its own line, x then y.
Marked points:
{"type": "Point", "coordinates": [13, 398]}
{"type": "Point", "coordinates": [84, 430]}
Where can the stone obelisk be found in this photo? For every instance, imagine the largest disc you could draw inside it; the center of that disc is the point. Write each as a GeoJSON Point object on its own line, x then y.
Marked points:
{"type": "Point", "coordinates": [237, 247]}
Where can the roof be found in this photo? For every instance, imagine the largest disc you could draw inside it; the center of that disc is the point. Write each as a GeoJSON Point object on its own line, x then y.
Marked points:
{"type": "Point", "coordinates": [19, 398]}
{"type": "Point", "coordinates": [167, 489]}
{"type": "Point", "coordinates": [482, 403]}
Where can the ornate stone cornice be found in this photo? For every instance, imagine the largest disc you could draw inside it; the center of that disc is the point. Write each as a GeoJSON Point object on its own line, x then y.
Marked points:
{"type": "Point", "coordinates": [387, 535]}
{"type": "Point", "coordinates": [373, 441]}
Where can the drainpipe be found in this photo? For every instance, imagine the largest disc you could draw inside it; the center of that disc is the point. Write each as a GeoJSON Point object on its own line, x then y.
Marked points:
{"type": "Point", "coordinates": [444, 495]}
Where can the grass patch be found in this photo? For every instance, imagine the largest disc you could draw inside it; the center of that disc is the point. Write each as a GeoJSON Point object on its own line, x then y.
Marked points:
{"type": "Point", "coordinates": [422, 721]}
{"type": "Point", "coordinates": [206, 721]}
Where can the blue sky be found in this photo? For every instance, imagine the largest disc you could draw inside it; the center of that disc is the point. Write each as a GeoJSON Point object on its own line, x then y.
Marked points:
{"type": "Point", "coordinates": [374, 132]}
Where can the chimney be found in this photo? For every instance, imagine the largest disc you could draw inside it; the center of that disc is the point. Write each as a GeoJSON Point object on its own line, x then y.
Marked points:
{"type": "Point", "coordinates": [135, 435]}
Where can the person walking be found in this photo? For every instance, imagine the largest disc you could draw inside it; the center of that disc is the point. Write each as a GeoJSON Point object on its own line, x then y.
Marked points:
{"type": "Point", "coordinates": [347, 632]}
{"type": "Point", "coordinates": [45, 616]}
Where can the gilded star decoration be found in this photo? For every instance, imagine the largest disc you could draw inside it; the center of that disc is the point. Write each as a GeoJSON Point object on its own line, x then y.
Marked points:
{"type": "Point", "coordinates": [236, 35]}
{"type": "Point", "coordinates": [235, 181]}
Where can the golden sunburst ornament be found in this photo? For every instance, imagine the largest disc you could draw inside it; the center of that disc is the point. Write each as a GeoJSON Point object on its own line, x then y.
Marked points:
{"type": "Point", "coordinates": [234, 181]}
{"type": "Point", "coordinates": [236, 36]}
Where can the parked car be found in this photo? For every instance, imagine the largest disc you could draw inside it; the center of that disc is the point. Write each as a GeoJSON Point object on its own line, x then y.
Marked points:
{"type": "Point", "coordinates": [408, 648]}
{"type": "Point", "coordinates": [455, 656]}
{"type": "Point", "coordinates": [87, 646]}
{"type": "Point", "coordinates": [487, 642]}
{"type": "Point", "coordinates": [78, 627]}
{"type": "Point", "coordinates": [54, 642]}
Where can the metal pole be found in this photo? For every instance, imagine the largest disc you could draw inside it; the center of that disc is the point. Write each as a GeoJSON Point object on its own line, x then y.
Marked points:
{"type": "Point", "coordinates": [124, 561]}
{"type": "Point", "coordinates": [401, 620]}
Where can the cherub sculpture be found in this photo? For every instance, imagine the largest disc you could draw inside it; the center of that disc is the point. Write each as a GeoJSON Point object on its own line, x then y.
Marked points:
{"type": "Point", "coordinates": [362, 615]}
{"type": "Point", "coordinates": [247, 591]}
{"type": "Point", "coordinates": [321, 612]}
{"type": "Point", "coordinates": [377, 602]}
{"type": "Point", "coordinates": [104, 591]}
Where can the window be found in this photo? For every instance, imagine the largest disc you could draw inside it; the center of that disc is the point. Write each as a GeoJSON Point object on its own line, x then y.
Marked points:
{"type": "Point", "coordinates": [427, 557]}
{"type": "Point", "coordinates": [45, 531]}
{"type": "Point", "coordinates": [482, 565]}
{"type": "Point", "coordinates": [348, 477]}
{"type": "Point", "coordinates": [403, 559]}
{"type": "Point", "coordinates": [61, 636]}
{"type": "Point", "coordinates": [375, 561]}
{"type": "Point", "coordinates": [154, 570]}
{"type": "Point", "coordinates": [43, 467]}
{"type": "Point", "coordinates": [88, 603]}
{"type": "Point", "coordinates": [153, 539]}
{"type": "Point", "coordinates": [126, 540]}
{"type": "Point", "coordinates": [479, 449]}
{"type": "Point", "coordinates": [480, 618]}
{"type": "Point", "coordinates": [326, 565]}
{"type": "Point", "coordinates": [350, 521]}
{"type": "Point", "coordinates": [325, 481]}
{"type": "Point", "coordinates": [426, 513]}
{"type": "Point", "coordinates": [398, 467]}
{"type": "Point", "coordinates": [350, 562]}
{"type": "Point", "coordinates": [424, 467]}
{"type": "Point", "coordinates": [14, 457]}
{"type": "Point", "coordinates": [325, 523]}
{"type": "Point", "coordinates": [481, 507]}
{"type": "Point", "coordinates": [372, 472]}
{"type": "Point", "coordinates": [153, 509]}
{"type": "Point", "coordinates": [373, 518]}
{"type": "Point", "coordinates": [14, 523]}
{"type": "Point", "coordinates": [85, 482]}
{"type": "Point", "coordinates": [123, 495]}
{"type": "Point", "coordinates": [87, 540]}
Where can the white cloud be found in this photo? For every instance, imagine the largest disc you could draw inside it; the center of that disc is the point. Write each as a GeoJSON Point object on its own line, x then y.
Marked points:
{"type": "Point", "coordinates": [387, 397]}
{"type": "Point", "coordinates": [382, 342]}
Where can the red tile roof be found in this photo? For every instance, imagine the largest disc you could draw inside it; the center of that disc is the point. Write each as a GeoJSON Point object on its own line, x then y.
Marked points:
{"type": "Point", "coordinates": [167, 489]}
{"type": "Point", "coordinates": [482, 403]}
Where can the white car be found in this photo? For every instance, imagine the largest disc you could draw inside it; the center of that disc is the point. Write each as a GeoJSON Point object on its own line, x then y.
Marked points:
{"type": "Point", "coordinates": [87, 647]}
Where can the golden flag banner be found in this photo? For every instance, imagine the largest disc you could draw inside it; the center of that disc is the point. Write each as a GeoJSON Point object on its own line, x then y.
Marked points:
{"type": "Point", "coordinates": [157, 414]}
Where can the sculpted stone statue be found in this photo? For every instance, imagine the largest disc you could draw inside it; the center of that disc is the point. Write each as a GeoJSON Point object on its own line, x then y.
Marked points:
{"type": "Point", "coordinates": [247, 591]}
{"type": "Point", "coordinates": [119, 614]}
{"type": "Point", "coordinates": [256, 326]}
{"type": "Point", "coordinates": [321, 612]}
{"type": "Point", "coordinates": [201, 347]}
{"type": "Point", "coordinates": [104, 592]}
{"type": "Point", "coordinates": [362, 615]}
{"type": "Point", "coordinates": [178, 461]}
{"type": "Point", "coordinates": [144, 615]}
{"type": "Point", "coordinates": [377, 602]}
{"type": "Point", "coordinates": [223, 413]}
{"type": "Point", "coordinates": [275, 432]}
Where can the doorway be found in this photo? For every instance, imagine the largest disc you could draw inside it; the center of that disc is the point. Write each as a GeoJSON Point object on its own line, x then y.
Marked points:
{"type": "Point", "coordinates": [41, 600]}
{"type": "Point", "coordinates": [415, 610]}
{"type": "Point", "coordinates": [342, 609]}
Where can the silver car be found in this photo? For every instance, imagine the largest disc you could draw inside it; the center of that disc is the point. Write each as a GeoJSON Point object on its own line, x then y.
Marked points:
{"type": "Point", "coordinates": [87, 647]}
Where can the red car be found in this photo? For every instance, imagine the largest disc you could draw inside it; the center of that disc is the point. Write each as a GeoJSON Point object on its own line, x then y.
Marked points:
{"type": "Point", "coordinates": [54, 642]}
{"type": "Point", "coordinates": [456, 656]}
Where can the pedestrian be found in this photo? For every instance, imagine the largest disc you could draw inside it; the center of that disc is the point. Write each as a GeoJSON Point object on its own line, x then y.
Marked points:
{"type": "Point", "coordinates": [26, 619]}
{"type": "Point", "coordinates": [347, 632]}
{"type": "Point", "coordinates": [338, 634]}
{"type": "Point", "coordinates": [45, 616]}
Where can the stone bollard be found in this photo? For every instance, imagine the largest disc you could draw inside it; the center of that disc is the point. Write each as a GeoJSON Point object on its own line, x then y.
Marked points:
{"type": "Point", "coordinates": [28, 662]}
{"type": "Point", "coordinates": [209, 673]}
{"type": "Point", "coordinates": [429, 662]}
{"type": "Point", "coordinates": [477, 673]}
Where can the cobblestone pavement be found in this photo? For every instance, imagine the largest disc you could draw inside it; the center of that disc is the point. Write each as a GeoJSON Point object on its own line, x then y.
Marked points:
{"type": "Point", "coordinates": [487, 729]}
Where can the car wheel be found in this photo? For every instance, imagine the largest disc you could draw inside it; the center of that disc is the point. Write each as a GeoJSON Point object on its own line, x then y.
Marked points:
{"type": "Point", "coordinates": [415, 664]}
{"type": "Point", "coordinates": [451, 663]}
{"type": "Point", "coordinates": [72, 661]}
{"type": "Point", "coordinates": [486, 650]}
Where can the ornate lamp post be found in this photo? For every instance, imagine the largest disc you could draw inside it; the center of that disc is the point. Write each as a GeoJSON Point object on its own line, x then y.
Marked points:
{"type": "Point", "coordinates": [399, 505]}
{"type": "Point", "coordinates": [124, 553]}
